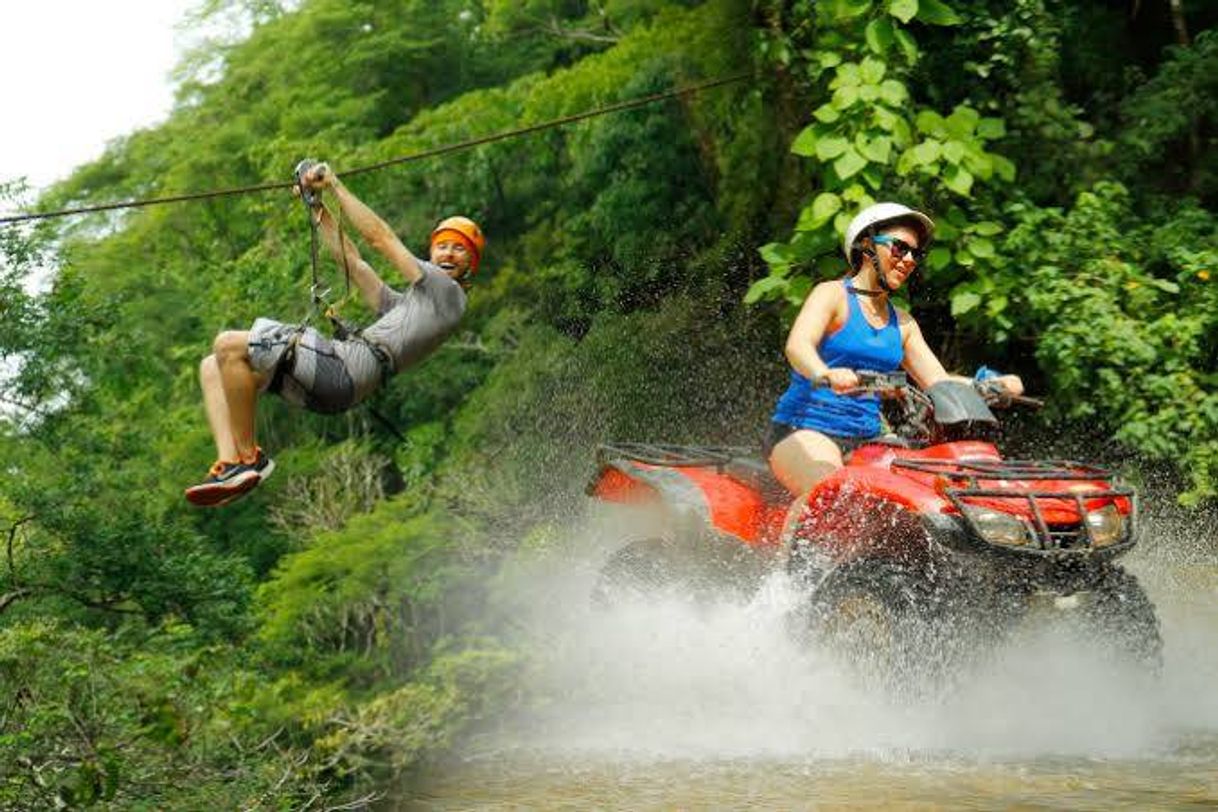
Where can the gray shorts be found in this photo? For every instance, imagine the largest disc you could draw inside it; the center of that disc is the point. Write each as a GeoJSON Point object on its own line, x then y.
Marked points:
{"type": "Point", "coordinates": [326, 375]}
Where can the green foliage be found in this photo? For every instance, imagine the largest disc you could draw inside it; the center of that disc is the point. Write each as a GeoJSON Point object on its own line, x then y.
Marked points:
{"type": "Point", "coordinates": [395, 731]}
{"type": "Point", "coordinates": [1125, 318]}
{"type": "Point", "coordinates": [870, 142]}
{"type": "Point", "coordinates": [135, 669]}
{"type": "Point", "coordinates": [128, 721]}
{"type": "Point", "coordinates": [1006, 59]}
{"type": "Point", "coordinates": [1172, 123]}
{"type": "Point", "coordinates": [370, 599]}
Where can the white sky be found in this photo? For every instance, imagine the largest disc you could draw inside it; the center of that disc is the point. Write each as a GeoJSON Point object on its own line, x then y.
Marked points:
{"type": "Point", "coordinates": [77, 73]}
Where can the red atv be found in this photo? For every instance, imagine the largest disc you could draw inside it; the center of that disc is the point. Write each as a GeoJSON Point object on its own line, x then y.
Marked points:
{"type": "Point", "coordinates": [924, 544]}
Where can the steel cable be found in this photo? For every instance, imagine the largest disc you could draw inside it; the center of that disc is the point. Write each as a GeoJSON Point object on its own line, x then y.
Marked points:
{"type": "Point", "coordinates": [418, 156]}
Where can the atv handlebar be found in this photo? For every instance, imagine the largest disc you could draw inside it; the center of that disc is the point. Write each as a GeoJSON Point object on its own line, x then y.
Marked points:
{"type": "Point", "coordinates": [871, 382]}
{"type": "Point", "coordinates": [896, 384]}
{"type": "Point", "coordinates": [995, 394]}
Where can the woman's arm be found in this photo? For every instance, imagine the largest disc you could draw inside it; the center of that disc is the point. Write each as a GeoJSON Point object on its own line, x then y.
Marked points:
{"type": "Point", "coordinates": [926, 368]}
{"type": "Point", "coordinates": [920, 360]}
{"type": "Point", "coordinates": [819, 311]}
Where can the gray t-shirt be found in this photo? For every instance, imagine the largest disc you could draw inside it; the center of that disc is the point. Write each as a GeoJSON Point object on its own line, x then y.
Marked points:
{"type": "Point", "coordinates": [416, 321]}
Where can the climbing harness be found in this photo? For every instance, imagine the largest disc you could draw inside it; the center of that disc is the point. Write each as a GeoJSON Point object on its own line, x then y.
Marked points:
{"type": "Point", "coordinates": [319, 296]}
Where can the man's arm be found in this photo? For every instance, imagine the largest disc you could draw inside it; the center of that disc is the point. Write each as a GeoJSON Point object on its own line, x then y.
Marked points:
{"type": "Point", "coordinates": [370, 226]}
{"type": "Point", "coordinates": [348, 258]}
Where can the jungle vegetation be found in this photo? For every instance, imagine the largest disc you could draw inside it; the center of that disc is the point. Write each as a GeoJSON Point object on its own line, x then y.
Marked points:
{"type": "Point", "coordinates": [337, 630]}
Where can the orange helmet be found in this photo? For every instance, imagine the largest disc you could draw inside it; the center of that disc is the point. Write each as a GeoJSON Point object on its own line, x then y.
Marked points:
{"type": "Point", "coordinates": [465, 230]}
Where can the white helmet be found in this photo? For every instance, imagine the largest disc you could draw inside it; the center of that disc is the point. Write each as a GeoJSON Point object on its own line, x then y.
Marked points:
{"type": "Point", "coordinates": [880, 214]}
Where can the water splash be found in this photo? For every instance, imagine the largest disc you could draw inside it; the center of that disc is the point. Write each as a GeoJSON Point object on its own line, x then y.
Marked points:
{"type": "Point", "coordinates": [673, 679]}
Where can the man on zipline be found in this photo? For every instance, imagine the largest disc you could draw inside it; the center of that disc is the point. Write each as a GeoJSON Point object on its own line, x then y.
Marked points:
{"type": "Point", "coordinates": [307, 369]}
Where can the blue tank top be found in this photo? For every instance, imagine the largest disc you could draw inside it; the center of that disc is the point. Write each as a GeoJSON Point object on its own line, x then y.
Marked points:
{"type": "Point", "coordinates": [855, 345]}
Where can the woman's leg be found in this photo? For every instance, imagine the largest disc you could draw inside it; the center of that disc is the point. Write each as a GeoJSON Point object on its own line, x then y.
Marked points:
{"type": "Point", "coordinates": [803, 458]}
{"type": "Point", "coordinates": [799, 461]}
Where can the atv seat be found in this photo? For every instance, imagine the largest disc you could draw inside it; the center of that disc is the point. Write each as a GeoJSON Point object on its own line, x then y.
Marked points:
{"type": "Point", "coordinates": [755, 473]}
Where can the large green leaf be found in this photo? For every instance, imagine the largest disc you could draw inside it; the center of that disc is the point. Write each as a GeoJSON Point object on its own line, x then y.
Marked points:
{"type": "Point", "coordinates": [849, 164]}
{"type": "Point", "coordinates": [939, 257]}
{"type": "Point", "coordinates": [872, 71]}
{"type": "Point", "coordinates": [961, 123]}
{"type": "Point", "coordinates": [876, 149]}
{"type": "Point", "coordinates": [903, 10]}
{"type": "Point", "coordinates": [768, 287]}
{"type": "Point", "coordinates": [959, 180]}
{"type": "Point", "coordinates": [805, 143]}
{"type": "Point", "coordinates": [893, 92]}
{"type": "Point", "coordinates": [991, 128]}
{"type": "Point", "coordinates": [848, 9]}
{"type": "Point", "coordinates": [845, 97]}
{"type": "Point", "coordinates": [927, 152]}
{"type": "Point", "coordinates": [778, 256]}
{"type": "Point", "coordinates": [964, 302]}
{"type": "Point", "coordinates": [907, 43]}
{"type": "Point", "coordinates": [936, 12]}
{"type": "Point", "coordinates": [829, 148]}
{"type": "Point", "coordinates": [981, 248]}
{"type": "Point", "coordinates": [824, 206]}
{"type": "Point", "coordinates": [880, 35]}
{"type": "Point", "coordinates": [826, 114]}
{"type": "Point", "coordinates": [1003, 167]}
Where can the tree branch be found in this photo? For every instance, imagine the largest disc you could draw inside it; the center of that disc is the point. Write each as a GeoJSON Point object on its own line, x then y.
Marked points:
{"type": "Point", "coordinates": [579, 34]}
{"type": "Point", "coordinates": [1178, 22]}
{"type": "Point", "coordinates": [12, 534]}
{"type": "Point", "coordinates": [7, 600]}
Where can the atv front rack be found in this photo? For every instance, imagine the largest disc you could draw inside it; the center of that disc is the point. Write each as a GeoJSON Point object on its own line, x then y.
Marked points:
{"type": "Point", "coordinates": [988, 469]}
{"type": "Point", "coordinates": [1050, 538]}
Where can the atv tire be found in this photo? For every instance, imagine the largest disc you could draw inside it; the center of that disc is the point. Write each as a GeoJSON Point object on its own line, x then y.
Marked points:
{"type": "Point", "coordinates": [879, 618]}
{"type": "Point", "coordinates": [708, 569]}
{"type": "Point", "coordinates": [639, 570]}
{"type": "Point", "coordinates": [1122, 615]}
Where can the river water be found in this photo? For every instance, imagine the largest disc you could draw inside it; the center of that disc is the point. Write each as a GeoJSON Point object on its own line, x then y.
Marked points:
{"type": "Point", "coordinates": [670, 705]}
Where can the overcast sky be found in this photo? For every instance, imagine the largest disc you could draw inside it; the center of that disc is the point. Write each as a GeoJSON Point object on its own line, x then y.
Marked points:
{"type": "Point", "coordinates": [78, 73]}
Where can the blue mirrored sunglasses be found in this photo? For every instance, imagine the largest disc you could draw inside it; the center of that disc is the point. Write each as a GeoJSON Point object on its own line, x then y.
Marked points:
{"type": "Point", "coordinates": [899, 248]}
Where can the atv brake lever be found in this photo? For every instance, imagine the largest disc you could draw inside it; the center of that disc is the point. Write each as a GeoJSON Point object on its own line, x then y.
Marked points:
{"type": "Point", "coordinates": [995, 394]}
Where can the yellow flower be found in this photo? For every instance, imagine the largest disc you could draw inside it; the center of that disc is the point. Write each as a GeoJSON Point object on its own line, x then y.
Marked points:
{"type": "Point", "coordinates": [1204, 276]}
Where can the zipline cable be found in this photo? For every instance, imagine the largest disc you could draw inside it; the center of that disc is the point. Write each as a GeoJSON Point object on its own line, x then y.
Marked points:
{"type": "Point", "coordinates": [418, 156]}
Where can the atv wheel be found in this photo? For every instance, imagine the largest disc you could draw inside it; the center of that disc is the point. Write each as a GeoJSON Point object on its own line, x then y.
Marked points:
{"type": "Point", "coordinates": [1125, 620]}
{"type": "Point", "coordinates": [639, 570]}
{"type": "Point", "coordinates": [878, 617]}
{"type": "Point", "coordinates": [708, 569]}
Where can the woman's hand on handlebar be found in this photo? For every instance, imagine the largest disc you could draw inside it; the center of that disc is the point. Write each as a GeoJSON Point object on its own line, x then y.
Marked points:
{"type": "Point", "coordinates": [840, 379]}
{"type": "Point", "coordinates": [1011, 383]}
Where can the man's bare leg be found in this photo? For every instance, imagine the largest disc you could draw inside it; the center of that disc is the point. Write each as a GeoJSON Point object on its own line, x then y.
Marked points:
{"type": "Point", "coordinates": [217, 409]}
{"type": "Point", "coordinates": [240, 385]}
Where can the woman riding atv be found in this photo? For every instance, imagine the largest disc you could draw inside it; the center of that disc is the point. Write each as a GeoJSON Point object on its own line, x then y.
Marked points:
{"type": "Point", "coordinates": [847, 325]}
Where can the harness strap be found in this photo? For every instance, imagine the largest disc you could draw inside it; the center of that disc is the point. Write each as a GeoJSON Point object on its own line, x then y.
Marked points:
{"type": "Point", "coordinates": [285, 363]}
{"type": "Point", "coordinates": [383, 358]}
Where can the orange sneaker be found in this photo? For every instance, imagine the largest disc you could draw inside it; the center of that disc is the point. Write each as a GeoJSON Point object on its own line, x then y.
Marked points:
{"type": "Point", "coordinates": [228, 481]}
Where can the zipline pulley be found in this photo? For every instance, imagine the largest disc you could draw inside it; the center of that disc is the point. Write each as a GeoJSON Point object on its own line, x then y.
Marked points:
{"type": "Point", "coordinates": [319, 295]}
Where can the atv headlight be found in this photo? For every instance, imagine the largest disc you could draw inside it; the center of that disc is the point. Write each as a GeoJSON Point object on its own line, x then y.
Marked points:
{"type": "Point", "coordinates": [999, 528]}
{"type": "Point", "coordinates": [1107, 525]}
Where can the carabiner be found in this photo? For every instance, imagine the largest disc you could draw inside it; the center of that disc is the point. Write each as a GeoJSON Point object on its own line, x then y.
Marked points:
{"type": "Point", "coordinates": [307, 194]}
